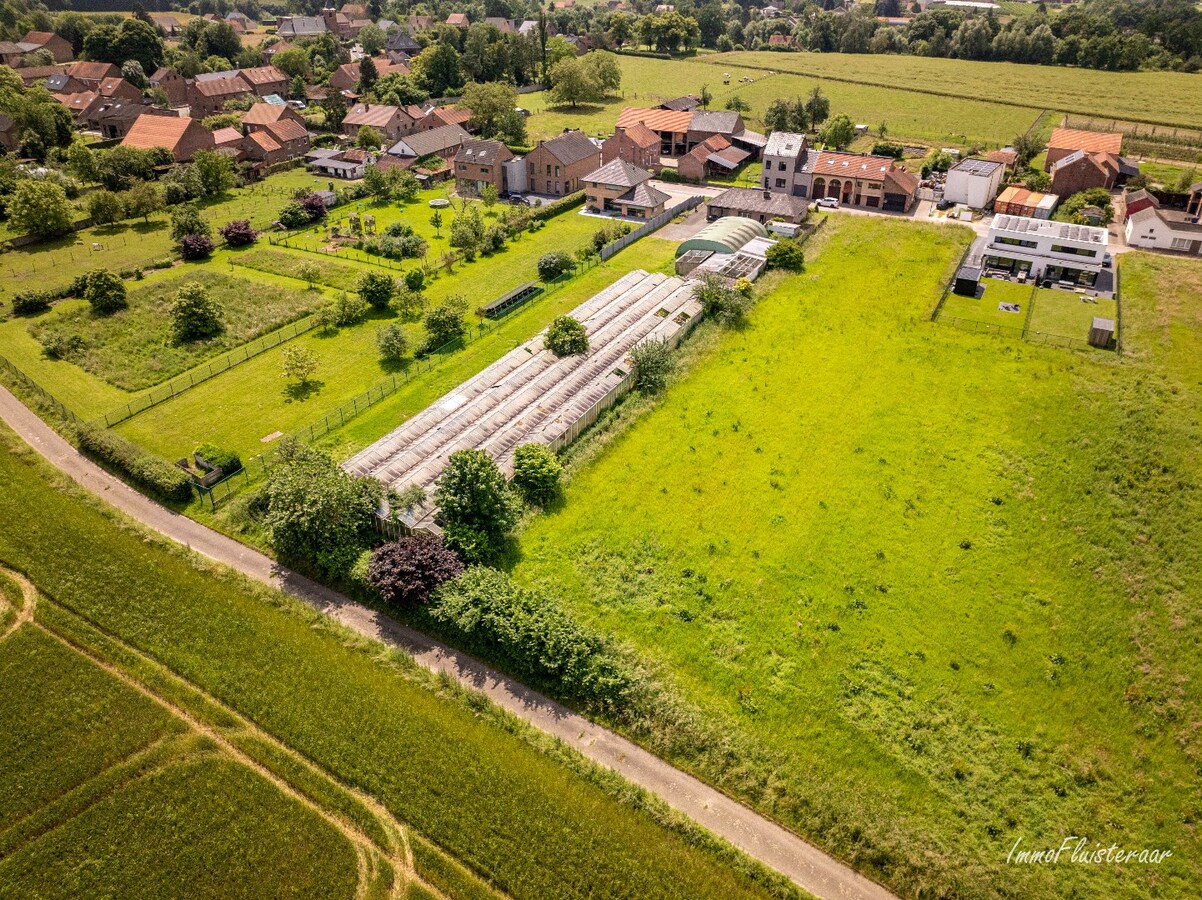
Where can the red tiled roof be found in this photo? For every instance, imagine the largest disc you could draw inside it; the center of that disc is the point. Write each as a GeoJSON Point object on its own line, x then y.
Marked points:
{"type": "Point", "coordinates": [263, 74]}
{"type": "Point", "coordinates": [287, 130]}
{"type": "Point", "coordinates": [218, 87]}
{"type": "Point", "coordinates": [851, 165]}
{"type": "Point", "coordinates": [450, 115]}
{"type": "Point", "coordinates": [92, 71]}
{"type": "Point", "coordinates": [901, 182]}
{"type": "Point", "coordinates": [264, 114]}
{"type": "Point", "coordinates": [373, 114]}
{"type": "Point", "coordinates": [265, 140]}
{"type": "Point", "coordinates": [1089, 141]}
{"type": "Point", "coordinates": [656, 119]}
{"type": "Point", "coordinates": [156, 131]}
{"type": "Point", "coordinates": [226, 136]}
{"type": "Point", "coordinates": [642, 136]}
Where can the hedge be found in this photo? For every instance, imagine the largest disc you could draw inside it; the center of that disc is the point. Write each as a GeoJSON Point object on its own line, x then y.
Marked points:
{"type": "Point", "coordinates": [561, 205]}
{"type": "Point", "coordinates": [151, 472]}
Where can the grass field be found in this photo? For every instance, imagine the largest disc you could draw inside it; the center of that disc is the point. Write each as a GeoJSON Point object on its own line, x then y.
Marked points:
{"type": "Point", "coordinates": [1065, 314]}
{"type": "Point", "coordinates": [984, 309]}
{"type": "Point", "coordinates": [407, 755]}
{"type": "Point", "coordinates": [935, 591]}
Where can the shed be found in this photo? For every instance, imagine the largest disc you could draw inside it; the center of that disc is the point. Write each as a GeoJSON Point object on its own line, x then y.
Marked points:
{"type": "Point", "coordinates": [725, 235]}
{"type": "Point", "coordinates": [1101, 332]}
{"type": "Point", "coordinates": [967, 279]}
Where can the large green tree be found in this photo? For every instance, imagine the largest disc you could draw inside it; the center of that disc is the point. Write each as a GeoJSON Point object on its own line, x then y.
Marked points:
{"type": "Point", "coordinates": [477, 509]}
{"type": "Point", "coordinates": [40, 207]}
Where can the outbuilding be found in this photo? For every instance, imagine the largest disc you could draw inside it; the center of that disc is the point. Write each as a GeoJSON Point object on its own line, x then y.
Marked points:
{"type": "Point", "coordinates": [974, 182]}
{"type": "Point", "coordinates": [726, 235]}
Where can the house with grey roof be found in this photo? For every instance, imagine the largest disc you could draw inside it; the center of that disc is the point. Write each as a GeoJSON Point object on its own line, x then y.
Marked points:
{"type": "Point", "coordinates": [621, 188]}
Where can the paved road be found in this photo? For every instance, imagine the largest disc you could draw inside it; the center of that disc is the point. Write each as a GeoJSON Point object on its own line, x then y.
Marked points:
{"type": "Point", "coordinates": [813, 870]}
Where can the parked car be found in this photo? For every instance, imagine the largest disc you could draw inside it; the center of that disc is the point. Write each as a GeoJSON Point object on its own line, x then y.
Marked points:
{"type": "Point", "coordinates": [827, 202]}
{"type": "Point", "coordinates": [516, 199]}
{"type": "Point", "coordinates": [1107, 261]}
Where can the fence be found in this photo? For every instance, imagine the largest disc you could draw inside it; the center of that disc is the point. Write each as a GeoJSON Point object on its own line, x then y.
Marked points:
{"type": "Point", "coordinates": [979, 327]}
{"type": "Point", "coordinates": [947, 288]}
{"type": "Point", "coordinates": [169, 389]}
{"type": "Point", "coordinates": [28, 384]}
{"type": "Point", "coordinates": [649, 226]}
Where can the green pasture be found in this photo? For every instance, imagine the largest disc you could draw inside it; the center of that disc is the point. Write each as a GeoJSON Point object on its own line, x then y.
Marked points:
{"type": "Point", "coordinates": [468, 780]}
{"type": "Point", "coordinates": [931, 591]}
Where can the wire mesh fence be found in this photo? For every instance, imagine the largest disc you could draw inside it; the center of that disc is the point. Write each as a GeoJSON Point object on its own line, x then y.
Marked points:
{"type": "Point", "coordinates": [35, 389]}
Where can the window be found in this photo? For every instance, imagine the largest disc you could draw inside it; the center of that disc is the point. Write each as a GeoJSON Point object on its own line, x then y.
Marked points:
{"type": "Point", "coordinates": [780, 182]}
{"type": "Point", "coordinates": [548, 187]}
{"type": "Point", "coordinates": [462, 167]}
{"type": "Point", "coordinates": [780, 166]}
{"type": "Point", "coordinates": [484, 170]}
{"type": "Point", "coordinates": [1074, 251]}
{"type": "Point", "coordinates": [1181, 244]}
{"type": "Point", "coordinates": [548, 168]}
{"type": "Point", "coordinates": [1015, 242]}
{"type": "Point", "coordinates": [557, 171]}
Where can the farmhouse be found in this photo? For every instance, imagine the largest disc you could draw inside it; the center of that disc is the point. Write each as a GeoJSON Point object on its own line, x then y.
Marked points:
{"type": "Point", "coordinates": [1069, 140]}
{"type": "Point", "coordinates": [531, 395]}
{"type": "Point", "coordinates": [758, 206]}
{"type": "Point", "coordinates": [1048, 251]}
{"type": "Point", "coordinates": [870, 182]}
{"type": "Point", "coordinates": [1153, 228]}
{"type": "Point", "coordinates": [974, 182]}
{"type": "Point", "coordinates": [391, 121]}
{"type": "Point", "coordinates": [183, 137]}
{"type": "Point", "coordinates": [442, 142]}
{"type": "Point", "coordinates": [1082, 170]}
{"type": "Point", "coordinates": [208, 96]}
{"type": "Point", "coordinates": [713, 156]}
{"type": "Point", "coordinates": [1016, 200]}
{"type": "Point", "coordinates": [56, 46]}
{"type": "Point", "coordinates": [672, 126]}
{"type": "Point", "coordinates": [556, 167]}
{"type": "Point", "coordinates": [638, 145]}
{"type": "Point", "coordinates": [441, 116]}
{"type": "Point", "coordinates": [478, 164]}
{"type": "Point", "coordinates": [620, 187]}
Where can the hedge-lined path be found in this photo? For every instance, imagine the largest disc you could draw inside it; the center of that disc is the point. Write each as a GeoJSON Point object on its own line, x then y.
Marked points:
{"type": "Point", "coordinates": [810, 868]}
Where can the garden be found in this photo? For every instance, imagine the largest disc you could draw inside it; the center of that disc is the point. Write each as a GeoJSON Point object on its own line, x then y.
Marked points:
{"type": "Point", "coordinates": [1043, 315]}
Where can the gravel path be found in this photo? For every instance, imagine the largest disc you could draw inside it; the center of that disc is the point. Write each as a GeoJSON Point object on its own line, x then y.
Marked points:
{"type": "Point", "coordinates": [759, 837]}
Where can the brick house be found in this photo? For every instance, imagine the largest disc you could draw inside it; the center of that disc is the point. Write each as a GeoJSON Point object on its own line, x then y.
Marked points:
{"type": "Point", "coordinates": [555, 167]}
{"type": "Point", "coordinates": [208, 97]}
{"type": "Point", "coordinates": [620, 187]}
{"type": "Point", "coordinates": [857, 179]}
{"type": "Point", "coordinates": [1082, 170]}
{"type": "Point", "coordinates": [92, 73]}
{"type": "Point", "coordinates": [391, 121]}
{"type": "Point", "coordinates": [119, 89]}
{"type": "Point", "coordinates": [760, 206]}
{"type": "Point", "coordinates": [441, 116]}
{"type": "Point", "coordinates": [58, 47]}
{"type": "Point", "coordinates": [265, 80]}
{"type": "Point", "coordinates": [1065, 141]}
{"type": "Point", "coordinates": [637, 144]}
{"type": "Point", "coordinates": [479, 163]}
{"type": "Point", "coordinates": [183, 137]}
{"type": "Point", "coordinates": [263, 114]}
{"type": "Point", "coordinates": [173, 85]}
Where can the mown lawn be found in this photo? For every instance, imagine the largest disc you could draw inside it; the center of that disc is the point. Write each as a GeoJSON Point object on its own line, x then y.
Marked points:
{"type": "Point", "coordinates": [136, 348]}
{"type": "Point", "coordinates": [475, 787]}
{"type": "Point", "coordinates": [984, 309]}
{"type": "Point", "coordinates": [1067, 314]}
{"type": "Point", "coordinates": [936, 592]}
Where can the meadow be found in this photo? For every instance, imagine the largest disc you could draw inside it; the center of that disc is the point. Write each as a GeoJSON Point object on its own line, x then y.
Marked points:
{"type": "Point", "coordinates": [271, 682]}
{"type": "Point", "coordinates": [932, 592]}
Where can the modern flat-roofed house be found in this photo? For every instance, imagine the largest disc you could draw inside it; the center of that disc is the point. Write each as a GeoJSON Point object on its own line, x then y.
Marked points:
{"type": "Point", "coordinates": [391, 121]}
{"type": "Point", "coordinates": [1152, 228]}
{"type": "Point", "coordinates": [1069, 140]}
{"type": "Point", "coordinates": [638, 145]}
{"type": "Point", "coordinates": [974, 182]}
{"type": "Point", "coordinates": [620, 187]}
{"type": "Point", "coordinates": [557, 166]}
{"type": "Point", "coordinates": [183, 137]}
{"type": "Point", "coordinates": [478, 164]}
{"type": "Point", "coordinates": [56, 46]}
{"type": "Point", "coordinates": [759, 206]}
{"type": "Point", "coordinates": [783, 158]}
{"type": "Point", "coordinates": [1045, 250]}
{"type": "Point", "coordinates": [854, 179]}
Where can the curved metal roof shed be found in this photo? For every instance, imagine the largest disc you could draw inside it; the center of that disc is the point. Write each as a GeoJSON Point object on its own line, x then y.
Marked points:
{"type": "Point", "coordinates": [725, 235]}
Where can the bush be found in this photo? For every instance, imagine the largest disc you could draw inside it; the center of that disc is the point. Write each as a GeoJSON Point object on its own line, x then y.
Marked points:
{"type": "Point", "coordinates": [549, 210]}
{"type": "Point", "coordinates": [194, 313]}
{"type": "Point", "coordinates": [60, 346]}
{"type": "Point", "coordinates": [726, 305]}
{"type": "Point", "coordinates": [226, 460]}
{"type": "Point", "coordinates": [314, 207]}
{"type": "Point", "coordinates": [415, 280]}
{"type": "Point", "coordinates": [392, 342]}
{"type": "Point", "coordinates": [376, 289]}
{"type": "Point", "coordinates": [408, 570]}
{"type": "Point", "coordinates": [786, 254]}
{"type": "Point", "coordinates": [566, 337]}
{"type": "Point", "coordinates": [293, 215]}
{"type": "Point", "coordinates": [444, 323]}
{"type": "Point", "coordinates": [349, 310]}
{"type": "Point", "coordinates": [653, 364]}
{"type": "Point", "coordinates": [552, 265]}
{"type": "Point", "coordinates": [887, 148]}
{"type": "Point", "coordinates": [104, 291]}
{"type": "Point", "coordinates": [27, 303]}
{"type": "Point", "coordinates": [537, 474]}
{"type": "Point", "coordinates": [186, 220]}
{"type": "Point", "coordinates": [533, 635]}
{"type": "Point", "coordinates": [151, 472]}
{"type": "Point", "coordinates": [239, 233]}
{"type": "Point", "coordinates": [195, 246]}
{"type": "Point", "coordinates": [476, 507]}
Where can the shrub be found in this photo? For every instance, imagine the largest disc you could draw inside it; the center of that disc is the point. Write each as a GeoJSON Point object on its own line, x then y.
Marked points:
{"type": "Point", "coordinates": [239, 233]}
{"type": "Point", "coordinates": [534, 636]}
{"type": "Point", "coordinates": [726, 305]}
{"type": "Point", "coordinates": [544, 211]}
{"type": "Point", "coordinates": [477, 509]}
{"type": "Point", "coordinates": [415, 280]}
{"type": "Point", "coordinates": [552, 265]}
{"type": "Point", "coordinates": [293, 215]}
{"type": "Point", "coordinates": [149, 471]}
{"type": "Point", "coordinates": [59, 346]}
{"type": "Point", "coordinates": [226, 460]}
{"type": "Point", "coordinates": [195, 246]}
{"type": "Point", "coordinates": [537, 474]}
{"type": "Point", "coordinates": [376, 288]}
{"type": "Point", "coordinates": [194, 313]}
{"type": "Point", "coordinates": [786, 254]}
{"type": "Point", "coordinates": [349, 310]}
{"type": "Point", "coordinates": [186, 220]}
{"type": "Point", "coordinates": [27, 303]}
{"type": "Point", "coordinates": [408, 570]}
{"type": "Point", "coordinates": [104, 291]}
{"type": "Point", "coordinates": [444, 323]}
{"type": "Point", "coordinates": [887, 148]}
{"type": "Point", "coordinates": [566, 337]}
{"type": "Point", "coordinates": [314, 207]}
{"type": "Point", "coordinates": [653, 364]}
{"type": "Point", "coordinates": [392, 342]}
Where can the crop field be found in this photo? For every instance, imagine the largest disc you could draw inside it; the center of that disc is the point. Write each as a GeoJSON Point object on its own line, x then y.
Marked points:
{"type": "Point", "coordinates": [302, 745]}
{"type": "Point", "coordinates": [936, 591]}
{"type": "Point", "coordinates": [1159, 97]}
{"type": "Point", "coordinates": [941, 121]}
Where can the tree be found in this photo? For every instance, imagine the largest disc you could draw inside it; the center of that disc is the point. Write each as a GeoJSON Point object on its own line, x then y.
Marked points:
{"type": "Point", "coordinates": [818, 107]}
{"type": "Point", "coordinates": [437, 69]}
{"type": "Point", "coordinates": [839, 132]}
{"type": "Point", "coordinates": [143, 199]}
{"type": "Point", "coordinates": [407, 570]}
{"type": "Point", "coordinates": [488, 196]}
{"type": "Point", "coordinates": [603, 67]}
{"type": "Point", "coordinates": [738, 104]}
{"type": "Point", "coordinates": [216, 171]}
{"type": "Point", "coordinates": [293, 62]}
{"type": "Point", "coordinates": [371, 39]}
{"type": "Point", "coordinates": [653, 365]}
{"type": "Point", "coordinates": [552, 265]}
{"type": "Point", "coordinates": [186, 220]}
{"type": "Point", "coordinates": [104, 291]}
{"type": "Point", "coordinates": [705, 98]}
{"type": "Point", "coordinates": [308, 272]}
{"type": "Point", "coordinates": [367, 138]}
{"type": "Point", "coordinates": [786, 254]}
{"type": "Point", "coordinates": [81, 162]}
{"type": "Point", "coordinates": [489, 103]}
{"type": "Point", "coordinates": [40, 207]}
{"type": "Point", "coordinates": [376, 289]}
{"type": "Point", "coordinates": [367, 75]}
{"type": "Point", "coordinates": [444, 323]}
{"type": "Point", "coordinates": [392, 342]}
{"type": "Point", "coordinates": [778, 116]}
{"type": "Point", "coordinates": [293, 215]}
{"type": "Point", "coordinates": [537, 474]}
{"type": "Point", "coordinates": [436, 222]}
{"type": "Point", "coordinates": [317, 512]}
{"type": "Point", "coordinates": [133, 72]}
{"type": "Point", "coordinates": [105, 207]}
{"type": "Point", "coordinates": [726, 305]}
{"type": "Point", "coordinates": [566, 337]}
{"type": "Point", "coordinates": [195, 246]}
{"type": "Point", "coordinates": [335, 110]}
{"type": "Point", "coordinates": [572, 83]}
{"type": "Point", "coordinates": [1027, 146]}
{"type": "Point", "coordinates": [239, 233]}
{"type": "Point", "coordinates": [195, 314]}
{"type": "Point", "coordinates": [477, 509]}
{"type": "Point", "coordinates": [298, 364]}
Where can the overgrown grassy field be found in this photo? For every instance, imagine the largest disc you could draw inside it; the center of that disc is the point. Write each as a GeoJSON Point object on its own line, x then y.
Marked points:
{"type": "Point", "coordinates": [936, 591]}
{"type": "Point", "coordinates": [526, 815]}
{"type": "Point", "coordinates": [1168, 97]}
